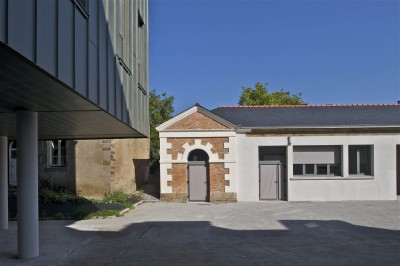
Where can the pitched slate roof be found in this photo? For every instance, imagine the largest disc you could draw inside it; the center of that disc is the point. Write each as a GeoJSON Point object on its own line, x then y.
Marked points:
{"type": "Point", "coordinates": [344, 115]}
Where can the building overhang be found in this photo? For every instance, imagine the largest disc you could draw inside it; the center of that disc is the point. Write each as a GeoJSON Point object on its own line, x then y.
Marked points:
{"type": "Point", "coordinates": [63, 113]}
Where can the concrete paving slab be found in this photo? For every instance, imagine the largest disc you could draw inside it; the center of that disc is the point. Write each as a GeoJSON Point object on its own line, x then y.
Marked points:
{"type": "Point", "coordinates": [264, 233]}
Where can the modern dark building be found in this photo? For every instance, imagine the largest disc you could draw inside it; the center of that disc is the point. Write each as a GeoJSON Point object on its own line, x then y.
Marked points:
{"type": "Point", "coordinates": [69, 69]}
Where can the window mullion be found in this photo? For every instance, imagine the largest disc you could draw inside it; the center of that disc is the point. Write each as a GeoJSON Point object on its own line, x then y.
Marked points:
{"type": "Point", "coordinates": [358, 160]}
{"type": "Point", "coordinates": [58, 152]}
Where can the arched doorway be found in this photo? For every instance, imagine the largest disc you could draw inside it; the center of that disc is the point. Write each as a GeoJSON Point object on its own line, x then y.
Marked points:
{"type": "Point", "coordinates": [198, 176]}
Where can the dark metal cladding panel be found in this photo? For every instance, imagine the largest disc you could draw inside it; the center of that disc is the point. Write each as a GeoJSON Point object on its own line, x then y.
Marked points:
{"type": "Point", "coordinates": [94, 21]}
{"type": "Point", "coordinates": [46, 49]}
{"type": "Point", "coordinates": [66, 48]}
{"type": "Point", "coordinates": [93, 73]}
{"type": "Point", "coordinates": [81, 53]}
{"type": "Point", "coordinates": [21, 27]}
{"type": "Point", "coordinates": [111, 78]}
{"type": "Point", "coordinates": [118, 91]}
{"type": "Point", "coordinates": [3, 21]}
{"type": "Point", "coordinates": [103, 39]}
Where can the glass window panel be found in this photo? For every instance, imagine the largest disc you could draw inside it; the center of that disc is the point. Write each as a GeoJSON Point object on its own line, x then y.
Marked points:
{"type": "Point", "coordinates": [57, 152]}
{"type": "Point", "coordinates": [54, 160]}
{"type": "Point", "coordinates": [364, 161]}
{"type": "Point", "coordinates": [322, 169]}
{"type": "Point", "coordinates": [310, 169]}
{"type": "Point", "coordinates": [335, 169]}
{"type": "Point", "coordinates": [297, 169]}
{"type": "Point", "coordinates": [360, 160]}
{"type": "Point", "coordinates": [352, 160]}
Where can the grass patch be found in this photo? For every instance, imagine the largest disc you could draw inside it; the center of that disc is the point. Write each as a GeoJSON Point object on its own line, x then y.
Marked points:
{"type": "Point", "coordinates": [102, 214]}
{"type": "Point", "coordinates": [127, 200]}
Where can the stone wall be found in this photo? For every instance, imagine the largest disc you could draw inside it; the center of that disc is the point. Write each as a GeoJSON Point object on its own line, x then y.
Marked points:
{"type": "Point", "coordinates": [93, 167]}
{"type": "Point", "coordinates": [128, 157]}
{"type": "Point", "coordinates": [62, 176]}
{"type": "Point", "coordinates": [97, 167]}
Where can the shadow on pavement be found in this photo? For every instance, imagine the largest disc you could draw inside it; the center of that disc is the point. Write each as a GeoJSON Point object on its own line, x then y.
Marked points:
{"type": "Point", "coordinates": [309, 242]}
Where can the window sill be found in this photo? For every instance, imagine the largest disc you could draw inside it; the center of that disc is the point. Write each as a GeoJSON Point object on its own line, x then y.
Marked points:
{"type": "Point", "coordinates": [55, 169]}
{"type": "Point", "coordinates": [363, 177]}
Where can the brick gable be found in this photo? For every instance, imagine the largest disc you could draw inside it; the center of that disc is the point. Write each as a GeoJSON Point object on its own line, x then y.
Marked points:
{"type": "Point", "coordinates": [196, 121]}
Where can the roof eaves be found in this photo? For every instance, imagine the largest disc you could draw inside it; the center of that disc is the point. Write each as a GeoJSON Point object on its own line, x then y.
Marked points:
{"type": "Point", "coordinates": [324, 127]}
{"type": "Point", "coordinates": [308, 105]}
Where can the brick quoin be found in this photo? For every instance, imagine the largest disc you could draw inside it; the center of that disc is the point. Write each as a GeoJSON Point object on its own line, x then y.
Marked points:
{"type": "Point", "coordinates": [176, 146]}
{"type": "Point", "coordinates": [217, 143]}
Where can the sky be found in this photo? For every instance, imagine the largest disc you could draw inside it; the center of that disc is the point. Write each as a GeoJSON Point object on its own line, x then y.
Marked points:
{"type": "Point", "coordinates": [205, 51]}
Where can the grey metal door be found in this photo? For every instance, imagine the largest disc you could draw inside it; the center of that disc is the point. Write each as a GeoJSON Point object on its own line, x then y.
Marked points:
{"type": "Point", "coordinates": [269, 181]}
{"type": "Point", "coordinates": [197, 181]}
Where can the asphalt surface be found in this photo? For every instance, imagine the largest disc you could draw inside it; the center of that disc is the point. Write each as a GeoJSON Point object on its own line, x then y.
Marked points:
{"type": "Point", "coordinates": [264, 233]}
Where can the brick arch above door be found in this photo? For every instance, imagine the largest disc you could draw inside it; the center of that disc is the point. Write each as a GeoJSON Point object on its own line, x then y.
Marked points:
{"type": "Point", "coordinates": [213, 156]}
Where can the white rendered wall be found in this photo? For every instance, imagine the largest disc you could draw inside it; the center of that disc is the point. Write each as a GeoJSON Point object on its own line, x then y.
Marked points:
{"type": "Point", "coordinates": [380, 186]}
{"type": "Point", "coordinates": [247, 164]}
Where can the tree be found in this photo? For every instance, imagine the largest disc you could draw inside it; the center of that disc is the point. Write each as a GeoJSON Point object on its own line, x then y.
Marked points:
{"type": "Point", "coordinates": [260, 96]}
{"type": "Point", "coordinates": [161, 109]}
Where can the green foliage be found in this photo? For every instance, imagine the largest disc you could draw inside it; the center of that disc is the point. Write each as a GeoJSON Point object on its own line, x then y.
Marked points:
{"type": "Point", "coordinates": [70, 206]}
{"type": "Point", "coordinates": [260, 96]}
{"type": "Point", "coordinates": [102, 214]}
{"type": "Point", "coordinates": [81, 215]}
{"type": "Point", "coordinates": [50, 193]}
{"type": "Point", "coordinates": [161, 109]}
{"type": "Point", "coordinates": [118, 196]}
{"type": "Point", "coordinates": [59, 216]}
{"type": "Point", "coordinates": [128, 205]}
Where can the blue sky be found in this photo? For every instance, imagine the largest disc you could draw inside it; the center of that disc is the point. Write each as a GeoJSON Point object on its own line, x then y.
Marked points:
{"type": "Point", "coordinates": [331, 51]}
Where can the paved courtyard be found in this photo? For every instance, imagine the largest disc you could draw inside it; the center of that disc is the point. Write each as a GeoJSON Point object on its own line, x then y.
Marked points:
{"type": "Point", "coordinates": [265, 233]}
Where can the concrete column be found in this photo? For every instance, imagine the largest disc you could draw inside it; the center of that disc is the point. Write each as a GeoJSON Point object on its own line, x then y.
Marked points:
{"type": "Point", "coordinates": [345, 160]}
{"type": "Point", "coordinates": [289, 168]}
{"type": "Point", "coordinates": [27, 179]}
{"type": "Point", "coordinates": [3, 184]}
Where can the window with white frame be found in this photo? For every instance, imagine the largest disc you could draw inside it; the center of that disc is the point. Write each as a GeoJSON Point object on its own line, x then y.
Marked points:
{"type": "Point", "coordinates": [360, 159]}
{"type": "Point", "coordinates": [56, 153]}
{"type": "Point", "coordinates": [317, 160]}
